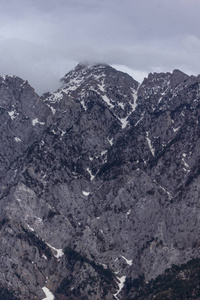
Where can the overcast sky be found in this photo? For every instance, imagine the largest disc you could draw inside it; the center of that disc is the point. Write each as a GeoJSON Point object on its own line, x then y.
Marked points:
{"type": "Point", "coordinates": [41, 40]}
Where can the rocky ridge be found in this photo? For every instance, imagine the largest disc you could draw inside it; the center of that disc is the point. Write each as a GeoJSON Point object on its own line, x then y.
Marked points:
{"type": "Point", "coordinates": [99, 182]}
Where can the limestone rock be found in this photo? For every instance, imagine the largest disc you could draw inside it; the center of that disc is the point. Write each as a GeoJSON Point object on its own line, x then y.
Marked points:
{"type": "Point", "coordinates": [99, 182]}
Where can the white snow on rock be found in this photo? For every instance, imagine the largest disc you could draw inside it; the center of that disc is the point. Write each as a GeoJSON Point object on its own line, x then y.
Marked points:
{"type": "Point", "coordinates": [83, 105]}
{"type": "Point", "coordinates": [59, 253]}
{"type": "Point", "coordinates": [73, 84]}
{"type": "Point", "coordinates": [12, 114]}
{"type": "Point", "coordinates": [187, 167]}
{"type": "Point", "coordinates": [104, 152]}
{"type": "Point", "coordinates": [107, 100]}
{"type": "Point", "coordinates": [48, 293]}
{"type": "Point", "coordinates": [122, 105]}
{"type": "Point", "coordinates": [185, 164]}
{"type": "Point", "coordinates": [162, 94]}
{"type": "Point", "coordinates": [85, 193]}
{"type": "Point", "coordinates": [17, 139]}
{"type": "Point", "coordinates": [53, 131]}
{"type": "Point", "coordinates": [120, 284]}
{"type": "Point", "coordinates": [102, 87]}
{"type": "Point", "coordinates": [36, 121]}
{"type": "Point", "coordinates": [124, 122]}
{"type": "Point", "coordinates": [175, 129]}
{"type": "Point", "coordinates": [128, 261]}
{"type": "Point", "coordinates": [29, 227]}
{"type": "Point", "coordinates": [56, 97]}
{"type": "Point", "coordinates": [150, 145]}
{"type": "Point", "coordinates": [52, 109]}
{"type": "Point", "coordinates": [44, 256]}
{"type": "Point", "coordinates": [91, 175]}
{"type": "Point", "coordinates": [135, 96]}
{"type": "Point", "coordinates": [139, 120]}
{"type": "Point", "coordinates": [168, 193]}
{"type": "Point", "coordinates": [128, 212]}
{"type": "Point", "coordinates": [110, 141]}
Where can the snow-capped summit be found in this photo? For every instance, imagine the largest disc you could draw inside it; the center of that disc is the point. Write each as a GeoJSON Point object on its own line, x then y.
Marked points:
{"type": "Point", "coordinates": [117, 90]}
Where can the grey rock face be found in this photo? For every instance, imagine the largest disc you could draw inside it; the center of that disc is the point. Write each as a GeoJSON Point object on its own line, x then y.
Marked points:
{"type": "Point", "coordinates": [99, 182]}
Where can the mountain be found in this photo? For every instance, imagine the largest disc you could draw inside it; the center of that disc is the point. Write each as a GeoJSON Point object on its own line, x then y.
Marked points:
{"type": "Point", "coordinates": [100, 181]}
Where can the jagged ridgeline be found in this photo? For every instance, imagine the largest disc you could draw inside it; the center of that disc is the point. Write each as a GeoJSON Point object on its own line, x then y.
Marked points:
{"type": "Point", "coordinates": [100, 187]}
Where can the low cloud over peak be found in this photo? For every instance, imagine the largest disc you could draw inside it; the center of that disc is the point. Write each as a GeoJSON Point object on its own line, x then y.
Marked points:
{"type": "Point", "coordinates": [42, 40]}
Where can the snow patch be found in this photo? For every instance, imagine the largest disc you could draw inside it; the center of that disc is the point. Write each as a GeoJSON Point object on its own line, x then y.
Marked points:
{"type": "Point", "coordinates": [101, 87]}
{"type": "Point", "coordinates": [36, 121]}
{"type": "Point", "coordinates": [168, 193]}
{"type": "Point", "coordinates": [139, 120]}
{"type": "Point", "coordinates": [185, 164]}
{"type": "Point", "coordinates": [135, 96]}
{"type": "Point", "coordinates": [107, 100]}
{"type": "Point", "coordinates": [62, 132]}
{"type": "Point", "coordinates": [30, 228]}
{"type": "Point", "coordinates": [74, 84]}
{"type": "Point", "coordinates": [110, 141]}
{"type": "Point", "coordinates": [83, 105]}
{"type": "Point", "coordinates": [52, 109]}
{"type": "Point", "coordinates": [121, 105]}
{"type": "Point", "coordinates": [129, 262]}
{"type": "Point", "coordinates": [85, 193]}
{"type": "Point", "coordinates": [12, 114]}
{"type": "Point", "coordinates": [56, 97]}
{"type": "Point", "coordinates": [59, 253]}
{"type": "Point", "coordinates": [128, 212]}
{"type": "Point", "coordinates": [124, 122]}
{"type": "Point", "coordinates": [160, 99]}
{"type": "Point", "coordinates": [53, 131]}
{"type": "Point", "coordinates": [91, 175]}
{"type": "Point", "coordinates": [104, 152]}
{"type": "Point", "coordinates": [149, 143]}
{"type": "Point", "coordinates": [48, 293]}
{"type": "Point", "coordinates": [17, 139]}
{"type": "Point", "coordinates": [175, 129]}
{"type": "Point", "coordinates": [120, 284]}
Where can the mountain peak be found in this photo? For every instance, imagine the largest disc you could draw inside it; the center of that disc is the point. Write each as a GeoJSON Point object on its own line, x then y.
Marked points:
{"type": "Point", "coordinates": [100, 187]}
{"type": "Point", "coordinates": [177, 77]}
{"type": "Point", "coordinates": [94, 75]}
{"type": "Point", "coordinates": [165, 79]}
{"type": "Point", "coordinates": [115, 89]}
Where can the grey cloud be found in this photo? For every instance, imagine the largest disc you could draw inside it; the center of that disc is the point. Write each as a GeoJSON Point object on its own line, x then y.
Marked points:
{"type": "Point", "coordinates": [42, 40]}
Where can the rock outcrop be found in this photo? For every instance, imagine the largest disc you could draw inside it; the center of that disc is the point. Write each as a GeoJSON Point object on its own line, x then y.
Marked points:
{"type": "Point", "coordinates": [99, 183]}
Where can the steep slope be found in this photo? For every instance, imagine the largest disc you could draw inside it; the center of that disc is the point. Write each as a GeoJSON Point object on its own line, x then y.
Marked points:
{"type": "Point", "coordinates": [178, 282]}
{"type": "Point", "coordinates": [103, 185]}
{"type": "Point", "coordinates": [117, 90]}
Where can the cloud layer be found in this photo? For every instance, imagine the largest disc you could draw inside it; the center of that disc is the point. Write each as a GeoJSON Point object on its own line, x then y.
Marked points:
{"type": "Point", "coordinates": [42, 40]}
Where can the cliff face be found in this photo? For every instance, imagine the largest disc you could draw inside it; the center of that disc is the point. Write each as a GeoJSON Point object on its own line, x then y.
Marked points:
{"type": "Point", "coordinates": [99, 182]}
